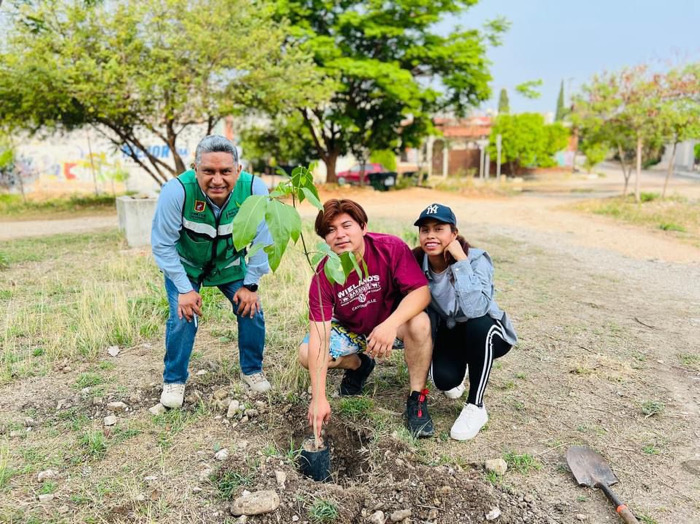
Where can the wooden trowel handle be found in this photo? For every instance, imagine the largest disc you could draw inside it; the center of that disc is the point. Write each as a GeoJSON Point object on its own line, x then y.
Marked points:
{"type": "Point", "coordinates": [622, 509]}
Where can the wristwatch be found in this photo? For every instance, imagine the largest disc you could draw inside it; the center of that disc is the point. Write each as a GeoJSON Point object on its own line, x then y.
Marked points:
{"type": "Point", "coordinates": [251, 287]}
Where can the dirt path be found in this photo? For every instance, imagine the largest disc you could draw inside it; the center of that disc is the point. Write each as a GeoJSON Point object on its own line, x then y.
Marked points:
{"type": "Point", "coordinates": [36, 228]}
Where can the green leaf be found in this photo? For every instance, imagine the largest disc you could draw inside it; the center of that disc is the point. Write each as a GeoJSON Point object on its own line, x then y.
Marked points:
{"type": "Point", "coordinates": [283, 221]}
{"type": "Point", "coordinates": [313, 198]}
{"type": "Point", "coordinates": [316, 258]}
{"type": "Point", "coordinates": [245, 224]}
{"type": "Point", "coordinates": [334, 270]}
{"type": "Point", "coordinates": [254, 249]}
{"type": "Point", "coordinates": [274, 254]}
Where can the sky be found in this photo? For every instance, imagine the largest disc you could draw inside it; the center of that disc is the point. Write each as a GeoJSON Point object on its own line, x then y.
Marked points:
{"type": "Point", "coordinates": [557, 40]}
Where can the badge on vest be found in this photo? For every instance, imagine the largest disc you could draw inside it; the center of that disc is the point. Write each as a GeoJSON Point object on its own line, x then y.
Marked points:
{"type": "Point", "coordinates": [199, 206]}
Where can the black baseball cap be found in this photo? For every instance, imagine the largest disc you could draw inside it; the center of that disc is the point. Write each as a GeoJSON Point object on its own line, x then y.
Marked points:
{"type": "Point", "coordinates": [437, 212]}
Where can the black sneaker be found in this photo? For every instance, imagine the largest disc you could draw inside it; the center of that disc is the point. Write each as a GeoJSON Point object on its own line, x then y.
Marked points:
{"type": "Point", "coordinates": [354, 379]}
{"type": "Point", "coordinates": [416, 416]}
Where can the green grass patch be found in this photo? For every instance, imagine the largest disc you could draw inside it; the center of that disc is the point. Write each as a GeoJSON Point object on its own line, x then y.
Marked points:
{"type": "Point", "coordinates": [228, 482]}
{"type": "Point", "coordinates": [86, 380]}
{"type": "Point", "coordinates": [676, 215]}
{"type": "Point", "coordinates": [323, 510]}
{"type": "Point", "coordinates": [521, 463]}
{"type": "Point", "coordinates": [94, 443]}
{"type": "Point", "coordinates": [653, 407]}
{"type": "Point", "coordinates": [356, 408]}
{"type": "Point", "coordinates": [15, 206]}
{"type": "Point", "coordinates": [690, 361]}
{"type": "Point", "coordinates": [47, 487]}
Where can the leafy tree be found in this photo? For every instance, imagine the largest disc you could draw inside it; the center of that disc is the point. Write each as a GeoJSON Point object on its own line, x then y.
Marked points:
{"type": "Point", "coordinates": [529, 89]}
{"type": "Point", "coordinates": [595, 153]}
{"type": "Point", "coordinates": [681, 114]}
{"type": "Point", "coordinates": [561, 111]}
{"type": "Point", "coordinates": [386, 158]}
{"type": "Point", "coordinates": [283, 140]}
{"type": "Point", "coordinates": [527, 141]}
{"type": "Point", "coordinates": [156, 67]}
{"type": "Point", "coordinates": [503, 103]}
{"type": "Point", "coordinates": [385, 62]}
{"type": "Point", "coordinates": [696, 150]}
{"type": "Point", "coordinates": [630, 105]}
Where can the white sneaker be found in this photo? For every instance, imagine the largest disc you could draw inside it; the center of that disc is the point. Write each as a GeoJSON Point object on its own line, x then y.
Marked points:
{"type": "Point", "coordinates": [256, 382]}
{"type": "Point", "coordinates": [173, 395]}
{"type": "Point", "coordinates": [469, 422]}
{"type": "Point", "coordinates": [455, 392]}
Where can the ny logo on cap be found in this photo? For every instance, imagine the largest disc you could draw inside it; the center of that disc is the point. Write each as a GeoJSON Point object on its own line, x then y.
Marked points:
{"type": "Point", "coordinates": [431, 209]}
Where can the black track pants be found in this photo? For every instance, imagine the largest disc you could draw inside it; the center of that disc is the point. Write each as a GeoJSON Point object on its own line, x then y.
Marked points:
{"type": "Point", "coordinates": [476, 343]}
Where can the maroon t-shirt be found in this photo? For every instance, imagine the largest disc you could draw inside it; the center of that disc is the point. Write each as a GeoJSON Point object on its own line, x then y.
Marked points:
{"type": "Point", "coordinates": [360, 306]}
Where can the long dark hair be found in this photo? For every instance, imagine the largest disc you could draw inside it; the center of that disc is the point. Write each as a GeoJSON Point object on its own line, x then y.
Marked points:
{"type": "Point", "coordinates": [418, 252]}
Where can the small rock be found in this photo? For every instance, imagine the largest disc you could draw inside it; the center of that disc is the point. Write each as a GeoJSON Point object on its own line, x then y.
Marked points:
{"type": "Point", "coordinates": [295, 518]}
{"type": "Point", "coordinates": [244, 419]}
{"type": "Point", "coordinates": [47, 474]}
{"type": "Point", "coordinates": [158, 409]}
{"type": "Point", "coordinates": [63, 510]}
{"type": "Point", "coordinates": [255, 503]}
{"type": "Point", "coordinates": [15, 434]}
{"type": "Point", "coordinates": [233, 408]}
{"type": "Point", "coordinates": [222, 454]}
{"type": "Point", "coordinates": [63, 403]}
{"type": "Point", "coordinates": [281, 477]}
{"type": "Point", "coordinates": [433, 514]}
{"type": "Point", "coordinates": [67, 369]}
{"type": "Point", "coordinates": [113, 351]}
{"type": "Point", "coordinates": [140, 497]}
{"type": "Point", "coordinates": [135, 398]}
{"type": "Point", "coordinates": [110, 420]}
{"type": "Point", "coordinates": [529, 499]}
{"type": "Point", "coordinates": [243, 519]}
{"type": "Point", "coordinates": [97, 401]}
{"type": "Point", "coordinates": [251, 413]}
{"type": "Point", "coordinates": [221, 394]}
{"type": "Point", "coordinates": [48, 497]}
{"type": "Point", "coordinates": [242, 444]}
{"type": "Point", "coordinates": [205, 474]}
{"type": "Point", "coordinates": [399, 515]}
{"type": "Point", "coordinates": [498, 466]}
{"type": "Point", "coordinates": [196, 489]}
{"type": "Point", "coordinates": [444, 490]}
{"type": "Point", "coordinates": [377, 517]}
{"type": "Point", "coordinates": [493, 514]}
{"type": "Point", "coordinates": [117, 406]}
{"type": "Point", "coordinates": [260, 405]}
{"type": "Point", "coordinates": [29, 422]}
{"type": "Point", "coordinates": [201, 372]}
{"type": "Point", "coordinates": [581, 517]}
{"type": "Point", "coordinates": [150, 478]}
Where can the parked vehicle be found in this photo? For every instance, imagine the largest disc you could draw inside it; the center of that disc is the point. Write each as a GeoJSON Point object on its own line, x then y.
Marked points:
{"type": "Point", "coordinates": [352, 175]}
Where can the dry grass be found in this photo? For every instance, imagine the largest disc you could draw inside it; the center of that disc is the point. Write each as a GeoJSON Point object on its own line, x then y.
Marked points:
{"type": "Point", "coordinates": [676, 216]}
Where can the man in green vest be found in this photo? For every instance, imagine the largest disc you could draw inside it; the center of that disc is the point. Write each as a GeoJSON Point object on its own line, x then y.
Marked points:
{"type": "Point", "coordinates": [193, 246]}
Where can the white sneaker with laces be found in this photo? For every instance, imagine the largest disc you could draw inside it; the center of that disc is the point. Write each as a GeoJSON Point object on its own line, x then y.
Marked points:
{"type": "Point", "coordinates": [173, 395]}
{"type": "Point", "coordinates": [470, 421]}
{"type": "Point", "coordinates": [455, 392]}
{"type": "Point", "coordinates": [256, 382]}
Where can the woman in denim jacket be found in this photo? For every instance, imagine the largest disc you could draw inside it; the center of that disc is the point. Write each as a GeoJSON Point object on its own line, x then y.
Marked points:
{"type": "Point", "coordinates": [469, 329]}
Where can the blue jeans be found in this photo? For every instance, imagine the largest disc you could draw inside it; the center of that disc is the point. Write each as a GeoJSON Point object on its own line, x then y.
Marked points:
{"type": "Point", "coordinates": [179, 336]}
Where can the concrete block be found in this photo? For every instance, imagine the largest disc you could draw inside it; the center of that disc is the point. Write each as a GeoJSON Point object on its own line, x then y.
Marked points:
{"type": "Point", "coordinates": [135, 217]}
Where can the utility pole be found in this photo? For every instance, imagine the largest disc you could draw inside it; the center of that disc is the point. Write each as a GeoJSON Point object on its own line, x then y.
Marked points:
{"type": "Point", "coordinates": [499, 140]}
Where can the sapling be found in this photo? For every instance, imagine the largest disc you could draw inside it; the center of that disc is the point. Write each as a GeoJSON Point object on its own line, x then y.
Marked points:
{"type": "Point", "coordinates": [284, 223]}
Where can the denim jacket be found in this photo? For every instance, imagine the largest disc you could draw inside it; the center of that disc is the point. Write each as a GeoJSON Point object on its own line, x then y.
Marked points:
{"type": "Point", "coordinates": [473, 282]}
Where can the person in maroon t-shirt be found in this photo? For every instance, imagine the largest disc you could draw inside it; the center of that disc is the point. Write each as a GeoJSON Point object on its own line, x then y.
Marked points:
{"type": "Point", "coordinates": [354, 323]}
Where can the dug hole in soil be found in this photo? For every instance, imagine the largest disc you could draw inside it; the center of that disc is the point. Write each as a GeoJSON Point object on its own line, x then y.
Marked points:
{"type": "Point", "coordinates": [371, 474]}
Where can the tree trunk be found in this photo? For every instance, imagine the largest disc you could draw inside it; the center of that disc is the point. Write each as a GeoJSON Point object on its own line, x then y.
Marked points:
{"type": "Point", "coordinates": [637, 196]}
{"type": "Point", "coordinates": [669, 173]}
{"type": "Point", "coordinates": [330, 161]}
{"type": "Point", "coordinates": [626, 172]}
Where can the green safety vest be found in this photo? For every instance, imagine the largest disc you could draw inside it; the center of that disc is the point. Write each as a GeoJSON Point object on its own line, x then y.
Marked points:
{"type": "Point", "coordinates": [206, 243]}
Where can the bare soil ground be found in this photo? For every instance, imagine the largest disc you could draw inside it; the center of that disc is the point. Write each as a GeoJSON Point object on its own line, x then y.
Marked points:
{"type": "Point", "coordinates": [609, 324]}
